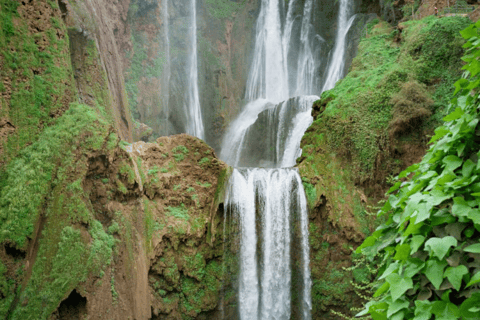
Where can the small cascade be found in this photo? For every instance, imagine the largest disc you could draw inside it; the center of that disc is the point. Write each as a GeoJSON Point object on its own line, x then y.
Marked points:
{"type": "Point", "coordinates": [337, 61]}
{"type": "Point", "coordinates": [268, 135]}
{"type": "Point", "coordinates": [192, 106]}
{"type": "Point", "coordinates": [269, 203]}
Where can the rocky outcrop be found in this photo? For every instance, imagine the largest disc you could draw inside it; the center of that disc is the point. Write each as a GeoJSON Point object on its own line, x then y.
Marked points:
{"type": "Point", "coordinates": [99, 72]}
{"type": "Point", "coordinates": [129, 231]}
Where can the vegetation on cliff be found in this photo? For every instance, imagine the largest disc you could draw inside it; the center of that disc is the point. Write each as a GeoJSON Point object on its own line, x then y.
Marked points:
{"type": "Point", "coordinates": [429, 246]}
{"type": "Point", "coordinates": [121, 234]}
{"type": "Point", "coordinates": [366, 130]}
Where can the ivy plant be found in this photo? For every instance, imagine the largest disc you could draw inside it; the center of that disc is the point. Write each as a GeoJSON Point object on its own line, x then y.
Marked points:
{"type": "Point", "coordinates": [430, 242]}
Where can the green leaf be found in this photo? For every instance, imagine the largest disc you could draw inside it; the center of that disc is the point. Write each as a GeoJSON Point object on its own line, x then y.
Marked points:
{"type": "Point", "coordinates": [475, 279]}
{"type": "Point", "coordinates": [402, 252]}
{"type": "Point", "coordinates": [474, 215]}
{"type": "Point", "coordinates": [434, 272]}
{"type": "Point", "coordinates": [439, 246]}
{"type": "Point", "coordinates": [469, 32]}
{"type": "Point", "coordinates": [398, 285]}
{"type": "Point", "coordinates": [392, 267]}
{"type": "Point", "coordinates": [416, 242]}
{"type": "Point", "coordinates": [445, 311]}
{"type": "Point", "coordinates": [468, 309]}
{"type": "Point", "coordinates": [467, 168]}
{"type": "Point", "coordinates": [452, 162]}
{"type": "Point", "coordinates": [396, 306]}
{"type": "Point", "coordinates": [383, 288]}
{"type": "Point", "coordinates": [474, 248]}
{"type": "Point", "coordinates": [413, 266]}
{"type": "Point", "coordinates": [458, 111]}
{"type": "Point", "coordinates": [423, 310]}
{"type": "Point", "coordinates": [370, 241]}
{"type": "Point", "coordinates": [460, 207]}
{"type": "Point", "coordinates": [455, 275]}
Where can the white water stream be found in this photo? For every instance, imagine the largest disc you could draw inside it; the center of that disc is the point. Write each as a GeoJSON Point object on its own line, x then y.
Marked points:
{"type": "Point", "coordinates": [269, 203]}
{"type": "Point", "coordinates": [192, 107]}
{"type": "Point", "coordinates": [337, 64]}
{"type": "Point", "coordinates": [167, 68]}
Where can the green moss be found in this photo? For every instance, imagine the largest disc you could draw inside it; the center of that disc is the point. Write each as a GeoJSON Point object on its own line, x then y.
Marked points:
{"type": "Point", "coordinates": [223, 9]}
{"type": "Point", "coordinates": [204, 160]}
{"type": "Point", "coordinates": [126, 170]}
{"type": "Point", "coordinates": [35, 96]}
{"type": "Point", "coordinates": [40, 167]}
{"type": "Point", "coordinates": [180, 212]}
{"type": "Point", "coordinates": [204, 185]}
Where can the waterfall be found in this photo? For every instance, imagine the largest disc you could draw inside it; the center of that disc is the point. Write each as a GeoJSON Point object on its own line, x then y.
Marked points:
{"type": "Point", "coordinates": [272, 201]}
{"type": "Point", "coordinates": [306, 61]}
{"type": "Point", "coordinates": [167, 73]}
{"type": "Point", "coordinates": [268, 77]}
{"type": "Point", "coordinates": [192, 106]}
{"type": "Point", "coordinates": [337, 64]}
{"type": "Point", "coordinates": [270, 204]}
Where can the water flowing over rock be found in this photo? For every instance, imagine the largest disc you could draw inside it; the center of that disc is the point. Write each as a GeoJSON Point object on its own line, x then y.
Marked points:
{"type": "Point", "coordinates": [268, 135]}
{"type": "Point", "coordinates": [269, 204]}
{"type": "Point", "coordinates": [337, 57]}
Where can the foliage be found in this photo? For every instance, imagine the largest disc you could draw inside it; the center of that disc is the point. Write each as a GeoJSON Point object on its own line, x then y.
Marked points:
{"type": "Point", "coordinates": [32, 175]}
{"type": "Point", "coordinates": [358, 116]}
{"type": "Point", "coordinates": [430, 242]}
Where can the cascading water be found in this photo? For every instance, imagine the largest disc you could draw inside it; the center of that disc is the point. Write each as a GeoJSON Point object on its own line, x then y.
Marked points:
{"type": "Point", "coordinates": [337, 64]}
{"type": "Point", "coordinates": [270, 204]}
{"type": "Point", "coordinates": [192, 106]}
{"type": "Point", "coordinates": [268, 135]}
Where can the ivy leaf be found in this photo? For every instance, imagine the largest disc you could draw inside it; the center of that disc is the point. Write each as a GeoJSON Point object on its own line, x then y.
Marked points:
{"type": "Point", "coordinates": [469, 32]}
{"type": "Point", "coordinates": [398, 285]}
{"type": "Point", "coordinates": [413, 266]}
{"type": "Point", "coordinates": [475, 279]}
{"type": "Point", "coordinates": [434, 272]}
{"type": "Point", "coordinates": [458, 111]}
{"type": "Point", "coordinates": [467, 309]}
{"type": "Point", "coordinates": [390, 269]}
{"type": "Point", "coordinates": [474, 215]}
{"type": "Point", "coordinates": [452, 162]}
{"type": "Point", "coordinates": [440, 246]}
{"type": "Point", "coordinates": [445, 311]}
{"type": "Point", "coordinates": [423, 310]}
{"type": "Point", "coordinates": [467, 168]}
{"type": "Point", "coordinates": [382, 289]}
{"type": "Point", "coordinates": [416, 242]}
{"type": "Point", "coordinates": [402, 252]}
{"type": "Point", "coordinates": [460, 207]}
{"type": "Point", "coordinates": [474, 248]}
{"type": "Point", "coordinates": [455, 275]}
{"type": "Point", "coordinates": [395, 307]}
